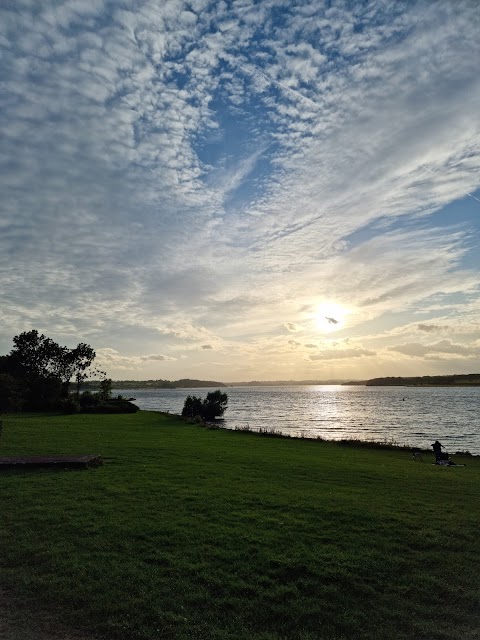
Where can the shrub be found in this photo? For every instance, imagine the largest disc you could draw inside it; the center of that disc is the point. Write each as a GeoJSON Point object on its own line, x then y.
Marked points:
{"type": "Point", "coordinates": [69, 405]}
{"type": "Point", "coordinates": [97, 403]}
{"type": "Point", "coordinates": [105, 392]}
{"type": "Point", "coordinates": [208, 409]}
{"type": "Point", "coordinates": [11, 397]}
{"type": "Point", "coordinates": [193, 407]}
{"type": "Point", "coordinates": [214, 404]}
{"type": "Point", "coordinates": [44, 394]}
{"type": "Point", "coordinates": [89, 399]}
{"type": "Point", "coordinates": [111, 406]}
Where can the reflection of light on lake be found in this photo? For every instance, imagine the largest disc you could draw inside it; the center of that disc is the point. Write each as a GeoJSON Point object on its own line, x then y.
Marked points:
{"type": "Point", "coordinates": [331, 417]}
{"type": "Point", "coordinates": [450, 415]}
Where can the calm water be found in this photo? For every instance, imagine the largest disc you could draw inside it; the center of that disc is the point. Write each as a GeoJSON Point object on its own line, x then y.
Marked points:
{"type": "Point", "coordinates": [406, 415]}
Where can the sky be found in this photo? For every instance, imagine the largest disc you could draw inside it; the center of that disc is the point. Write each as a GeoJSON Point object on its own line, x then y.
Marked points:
{"type": "Point", "coordinates": [243, 190]}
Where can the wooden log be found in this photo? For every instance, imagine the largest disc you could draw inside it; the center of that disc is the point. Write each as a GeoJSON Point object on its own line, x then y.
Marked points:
{"type": "Point", "coordinates": [49, 462]}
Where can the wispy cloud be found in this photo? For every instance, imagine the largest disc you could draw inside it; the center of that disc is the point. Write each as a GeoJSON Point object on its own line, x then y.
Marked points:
{"type": "Point", "coordinates": [186, 175]}
{"type": "Point", "coordinates": [419, 350]}
{"type": "Point", "coordinates": [340, 354]}
{"type": "Point", "coordinates": [112, 359]}
{"type": "Point", "coordinates": [292, 327]}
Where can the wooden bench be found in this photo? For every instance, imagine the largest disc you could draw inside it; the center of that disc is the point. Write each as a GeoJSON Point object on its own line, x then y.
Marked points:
{"type": "Point", "coordinates": [49, 462]}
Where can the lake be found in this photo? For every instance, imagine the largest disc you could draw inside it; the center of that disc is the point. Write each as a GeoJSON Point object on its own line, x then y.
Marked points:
{"type": "Point", "coordinates": [413, 416]}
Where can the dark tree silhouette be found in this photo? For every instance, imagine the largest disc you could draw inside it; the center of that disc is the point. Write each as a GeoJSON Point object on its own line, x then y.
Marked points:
{"type": "Point", "coordinates": [192, 407]}
{"type": "Point", "coordinates": [211, 407]}
{"type": "Point", "coordinates": [44, 368]}
{"type": "Point", "coordinates": [214, 404]}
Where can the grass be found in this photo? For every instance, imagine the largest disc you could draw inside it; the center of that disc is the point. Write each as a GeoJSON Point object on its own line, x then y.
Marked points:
{"type": "Point", "coordinates": [191, 533]}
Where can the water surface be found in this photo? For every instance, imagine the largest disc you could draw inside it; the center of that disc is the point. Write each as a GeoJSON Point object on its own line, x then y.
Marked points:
{"type": "Point", "coordinates": [414, 416]}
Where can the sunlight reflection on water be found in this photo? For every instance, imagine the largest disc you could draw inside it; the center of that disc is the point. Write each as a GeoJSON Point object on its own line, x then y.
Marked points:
{"type": "Point", "coordinates": [413, 416]}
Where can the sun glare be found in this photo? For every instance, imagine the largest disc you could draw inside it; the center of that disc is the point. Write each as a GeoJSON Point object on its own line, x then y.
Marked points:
{"type": "Point", "coordinates": [330, 316]}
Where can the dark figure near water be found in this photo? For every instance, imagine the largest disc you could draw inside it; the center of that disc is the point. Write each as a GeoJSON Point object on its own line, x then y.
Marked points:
{"type": "Point", "coordinates": [437, 450]}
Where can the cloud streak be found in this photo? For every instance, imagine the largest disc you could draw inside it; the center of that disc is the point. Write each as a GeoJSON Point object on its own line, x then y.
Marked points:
{"type": "Point", "coordinates": [198, 175]}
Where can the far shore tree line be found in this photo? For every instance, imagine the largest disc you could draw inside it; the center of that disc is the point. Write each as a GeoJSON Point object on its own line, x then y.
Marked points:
{"type": "Point", "coordinates": [465, 379]}
{"type": "Point", "coordinates": [183, 383]}
{"type": "Point", "coordinates": [38, 375]}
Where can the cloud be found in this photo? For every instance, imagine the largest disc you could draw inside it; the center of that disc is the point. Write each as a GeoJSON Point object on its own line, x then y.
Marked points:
{"type": "Point", "coordinates": [227, 179]}
{"type": "Point", "coordinates": [341, 354]}
{"type": "Point", "coordinates": [418, 350]}
{"type": "Point", "coordinates": [112, 359]}
{"type": "Point", "coordinates": [388, 126]}
{"type": "Point", "coordinates": [207, 346]}
{"type": "Point", "coordinates": [429, 328]}
{"type": "Point", "coordinates": [385, 283]}
{"type": "Point", "coordinates": [184, 175]}
{"type": "Point", "coordinates": [183, 332]}
{"type": "Point", "coordinates": [292, 327]}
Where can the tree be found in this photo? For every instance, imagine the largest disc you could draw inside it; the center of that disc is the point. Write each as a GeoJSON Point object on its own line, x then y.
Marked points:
{"type": "Point", "coordinates": [36, 356]}
{"type": "Point", "coordinates": [46, 368]}
{"type": "Point", "coordinates": [212, 406]}
{"type": "Point", "coordinates": [78, 360]}
{"type": "Point", "coordinates": [105, 392]}
{"type": "Point", "coordinates": [11, 396]}
{"type": "Point", "coordinates": [192, 407]}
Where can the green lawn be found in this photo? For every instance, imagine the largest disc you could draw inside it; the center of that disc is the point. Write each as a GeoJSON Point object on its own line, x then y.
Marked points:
{"type": "Point", "coordinates": [186, 532]}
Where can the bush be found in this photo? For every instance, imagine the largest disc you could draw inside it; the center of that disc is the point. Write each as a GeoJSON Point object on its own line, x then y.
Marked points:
{"type": "Point", "coordinates": [112, 406]}
{"type": "Point", "coordinates": [11, 396]}
{"type": "Point", "coordinates": [44, 394]}
{"type": "Point", "coordinates": [193, 407]}
{"type": "Point", "coordinates": [89, 399]}
{"type": "Point", "coordinates": [214, 404]}
{"type": "Point", "coordinates": [105, 392]}
{"type": "Point", "coordinates": [208, 409]}
{"type": "Point", "coordinates": [70, 405]}
{"type": "Point", "coordinates": [96, 403]}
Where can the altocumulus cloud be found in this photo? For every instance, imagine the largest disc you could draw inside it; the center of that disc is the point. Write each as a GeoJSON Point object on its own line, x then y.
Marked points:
{"type": "Point", "coordinates": [341, 354]}
{"type": "Point", "coordinates": [110, 358]}
{"type": "Point", "coordinates": [418, 350]}
{"type": "Point", "coordinates": [160, 160]}
{"type": "Point", "coordinates": [431, 328]}
{"type": "Point", "coordinates": [292, 327]}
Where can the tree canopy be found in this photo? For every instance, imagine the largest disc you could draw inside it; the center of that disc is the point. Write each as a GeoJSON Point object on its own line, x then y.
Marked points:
{"type": "Point", "coordinates": [36, 356]}
{"type": "Point", "coordinates": [37, 372]}
{"type": "Point", "coordinates": [211, 407]}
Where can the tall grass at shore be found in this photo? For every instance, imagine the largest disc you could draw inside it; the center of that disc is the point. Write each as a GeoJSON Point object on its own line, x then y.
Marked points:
{"type": "Point", "coordinates": [187, 532]}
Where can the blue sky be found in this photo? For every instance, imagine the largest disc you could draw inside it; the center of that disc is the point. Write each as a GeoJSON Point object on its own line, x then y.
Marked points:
{"type": "Point", "coordinates": [243, 190]}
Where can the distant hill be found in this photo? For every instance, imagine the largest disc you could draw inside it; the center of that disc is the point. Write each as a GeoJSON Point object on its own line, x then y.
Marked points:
{"type": "Point", "coordinates": [184, 383]}
{"type": "Point", "coordinates": [283, 383]}
{"type": "Point", "coordinates": [461, 380]}
{"type": "Point", "coordinates": [188, 383]}
{"type": "Point", "coordinates": [470, 379]}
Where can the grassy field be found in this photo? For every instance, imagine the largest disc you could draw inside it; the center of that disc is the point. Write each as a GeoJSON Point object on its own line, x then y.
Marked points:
{"type": "Point", "coordinates": [186, 532]}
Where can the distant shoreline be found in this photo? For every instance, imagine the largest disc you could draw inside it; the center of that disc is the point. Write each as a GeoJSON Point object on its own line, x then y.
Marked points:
{"type": "Point", "coordinates": [456, 380]}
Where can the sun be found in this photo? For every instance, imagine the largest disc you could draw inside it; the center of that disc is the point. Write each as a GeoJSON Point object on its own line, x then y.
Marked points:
{"type": "Point", "coordinates": [330, 316]}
